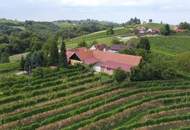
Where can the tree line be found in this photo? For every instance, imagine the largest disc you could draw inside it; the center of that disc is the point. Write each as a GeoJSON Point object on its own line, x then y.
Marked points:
{"type": "Point", "coordinates": [48, 54]}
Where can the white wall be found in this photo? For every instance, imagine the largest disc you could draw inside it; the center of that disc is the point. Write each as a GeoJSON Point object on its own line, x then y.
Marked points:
{"type": "Point", "coordinates": [97, 68]}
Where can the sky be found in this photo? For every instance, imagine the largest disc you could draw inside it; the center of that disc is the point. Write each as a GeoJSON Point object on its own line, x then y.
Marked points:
{"type": "Point", "coordinates": [167, 11]}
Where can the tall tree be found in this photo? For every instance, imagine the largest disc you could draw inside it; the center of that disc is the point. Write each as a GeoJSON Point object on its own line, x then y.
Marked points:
{"type": "Point", "coordinates": [63, 56]}
{"type": "Point", "coordinates": [166, 30]}
{"type": "Point", "coordinates": [53, 56]}
{"type": "Point", "coordinates": [22, 63]}
{"type": "Point", "coordinates": [28, 64]}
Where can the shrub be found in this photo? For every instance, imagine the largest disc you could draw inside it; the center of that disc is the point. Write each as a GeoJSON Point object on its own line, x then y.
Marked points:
{"type": "Point", "coordinates": [144, 44]}
{"type": "Point", "coordinates": [119, 75]}
{"type": "Point", "coordinates": [156, 69]}
{"type": "Point", "coordinates": [38, 72]}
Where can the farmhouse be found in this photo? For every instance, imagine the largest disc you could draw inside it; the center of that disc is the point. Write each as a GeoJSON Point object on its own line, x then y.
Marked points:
{"type": "Point", "coordinates": [100, 47]}
{"type": "Point", "coordinates": [101, 61]}
{"type": "Point", "coordinates": [144, 31]}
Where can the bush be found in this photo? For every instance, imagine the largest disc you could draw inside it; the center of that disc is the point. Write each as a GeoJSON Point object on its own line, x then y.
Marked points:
{"type": "Point", "coordinates": [119, 75]}
{"type": "Point", "coordinates": [154, 68]}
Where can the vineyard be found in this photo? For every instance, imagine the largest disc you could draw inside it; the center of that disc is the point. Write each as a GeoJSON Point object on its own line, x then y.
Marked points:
{"type": "Point", "coordinates": [75, 98]}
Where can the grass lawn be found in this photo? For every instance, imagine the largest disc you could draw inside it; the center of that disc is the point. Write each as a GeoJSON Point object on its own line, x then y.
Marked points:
{"type": "Point", "coordinates": [16, 58]}
{"type": "Point", "coordinates": [171, 45]}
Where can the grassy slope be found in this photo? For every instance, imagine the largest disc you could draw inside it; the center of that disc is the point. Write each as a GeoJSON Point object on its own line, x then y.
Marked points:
{"type": "Point", "coordinates": [106, 39]}
{"type": "Point", "coordinates": [100, 36]}
{"type": "Point", "coordinates": [171, 45]}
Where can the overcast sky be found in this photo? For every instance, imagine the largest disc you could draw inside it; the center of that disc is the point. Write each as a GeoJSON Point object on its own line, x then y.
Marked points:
{"type": "Point", "coordinates": [170, 11]}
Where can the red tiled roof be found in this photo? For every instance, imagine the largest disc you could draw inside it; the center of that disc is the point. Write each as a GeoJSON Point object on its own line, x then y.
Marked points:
{"type": "Point", "coordinates": [118, 58]}
{"type": "Point", "coordinates": [118, 47]}
{"type": "Point", "coordinates": [90, 60]}
{"type": "Point", "coordinates": [106, 59]}
{"type": "Point", "coordinates": [115, 65]}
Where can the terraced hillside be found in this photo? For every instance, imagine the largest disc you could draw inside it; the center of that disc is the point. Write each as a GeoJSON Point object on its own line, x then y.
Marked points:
{"type": "Point", "coordinates": [75, 98]}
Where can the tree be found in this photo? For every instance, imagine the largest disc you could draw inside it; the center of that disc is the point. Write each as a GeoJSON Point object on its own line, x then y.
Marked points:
{"type": "Point", "coordinates": [82, 44]}
{"type": "Point", "coordinates": [134, 21]}
{"type": "Point", "coordinates": [184, 25]}
{"type": "Point", "coordinates": [33, 60]}
{"type": "Point", "coordinates": [36, 44]}
{"type": "Point", "coordinates": [166, 30]}
{"type": "Point", "coordinates": [63, 56]}
{"type": "Point", "coordinates": [53, 56]}
{"type": "Point", "coordinates": [37, 59]}
{"type": "Point", "coordinates": [119, 75]}
{"type": "Point", "coordinates": [150, 20]}
{"type": "Point", "coordinates": [110, 31]}
{"type": "Point", "coordinates": [144, 44]}
{"type": "Point", "coordinates": [28, 64]}
{"type": "Point", "coordinates": [22, 63]}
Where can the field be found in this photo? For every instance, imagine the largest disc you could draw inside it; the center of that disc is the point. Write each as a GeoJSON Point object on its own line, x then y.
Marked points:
{"type": "Point", "coordinates": [75, 98]}
{"type": "Point", "coordinates": [170, 45]}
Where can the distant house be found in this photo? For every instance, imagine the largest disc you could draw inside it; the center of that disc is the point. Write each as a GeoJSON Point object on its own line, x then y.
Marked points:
{"type": "Point", "coordinates": [117, 47]}
{"type": "Point", "coordinates": [100, 47]}
{"type": "Point", "coordinates": [153, 31]}
{"type": "Point", "coordinates": [105, 62]}
{"type": "Point", "coordinates": [140, 31]}
{"type": "Point", "coordinates": [178, 30]}
{"type": "Point", "coordinates": [144, 31]}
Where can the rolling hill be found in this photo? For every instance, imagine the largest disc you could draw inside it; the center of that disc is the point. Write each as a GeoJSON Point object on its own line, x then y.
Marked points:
{"type": "Point", "coordinates": [76, 98]}
{"type": "Point", "coordinates": [167, 45]}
